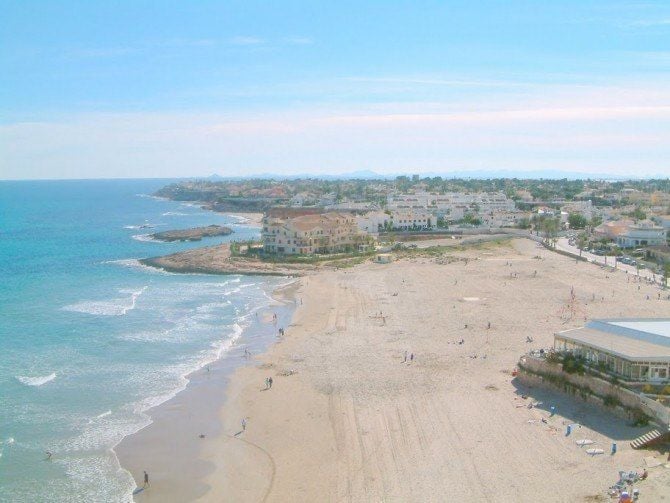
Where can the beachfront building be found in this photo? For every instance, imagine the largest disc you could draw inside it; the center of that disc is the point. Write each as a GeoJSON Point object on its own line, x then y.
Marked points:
{"type": "Point", "coordinates": [612, 229]}
{"type": "Point", "coordinates": [452, 205]}
{"type": "Point", "coordinates": [411, 220]}
{"type": "Point", "coordinates": [633, 349]}
{"type": "Point", "coordinates": [642, 234]}
{"type": "Point", "coordinates": [373, 222]}
{"type": "Point", "coordinates": [303, 234]}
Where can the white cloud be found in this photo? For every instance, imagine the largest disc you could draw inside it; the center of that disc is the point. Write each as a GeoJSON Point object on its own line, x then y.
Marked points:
{"type": "Point", "coordinates": [620, 140]}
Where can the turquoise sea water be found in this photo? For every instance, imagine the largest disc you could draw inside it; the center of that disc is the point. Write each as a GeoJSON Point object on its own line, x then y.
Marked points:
{"type": "Point", "coordinates": [89, 339]}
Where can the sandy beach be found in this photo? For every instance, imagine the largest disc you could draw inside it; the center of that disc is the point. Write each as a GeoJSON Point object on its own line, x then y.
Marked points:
{"type": "Point", "coordinates": [348, 419]}
{"type": "Point", "coordinates": [252, 219]}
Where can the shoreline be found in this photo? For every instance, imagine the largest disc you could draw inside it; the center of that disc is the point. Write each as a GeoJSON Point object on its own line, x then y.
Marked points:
{"type": "Point", "coordinates": [217, 260]}
{"type": "Point", "coordinates": [160, 447]}
{"type": "Point", "coordinates": [247, 218]}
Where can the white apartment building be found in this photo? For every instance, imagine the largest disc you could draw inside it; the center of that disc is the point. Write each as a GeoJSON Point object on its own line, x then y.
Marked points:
{"type": "Point", "coordinates": [452, 205]}
{"type": "Point", "coordinates": [313, 233]}
{"type": "Point", "coordinates": [412, 219]}
{"type": "Point", "coordinates": [373, 222]}
{"type": "Point", "coordinates": [642, 234]}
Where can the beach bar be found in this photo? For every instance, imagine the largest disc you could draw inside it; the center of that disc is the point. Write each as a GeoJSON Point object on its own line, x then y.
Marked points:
{"type": "Point", "coordinates": [635, 349]}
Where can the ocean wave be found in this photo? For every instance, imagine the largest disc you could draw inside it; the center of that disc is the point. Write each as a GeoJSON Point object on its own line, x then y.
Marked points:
{"type": "Point", "coordinates": [145, 238]}
{"type": "Point", "coordinates": [234, 290]}
{"type": "Point", "coordinates": [239, 218]}
{"type": "Point", "coordinates": [151, 196]}
{"type": "Point", "coordinates": [174, 214]}
{"type": "Point", "coordinates": [226, 344]}
{"type": "Point", "coordinates": [115, 307]}
{"type": "Point", "coordinates": [212, 307]}
{"type": "Point", "coordinates": [135, 263]}
{"type": "Point", "coordinates": [8, 441]}
{"type": "Point", "coordinates": [136, 227]}
{"type": "Point", "coordinates": [35, 381]}
{"type": "Point", "coordinates": [100, 416]}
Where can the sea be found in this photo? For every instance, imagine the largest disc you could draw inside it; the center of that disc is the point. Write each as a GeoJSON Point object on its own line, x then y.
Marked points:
{"type": "Point", "coordinates": [90, 339]}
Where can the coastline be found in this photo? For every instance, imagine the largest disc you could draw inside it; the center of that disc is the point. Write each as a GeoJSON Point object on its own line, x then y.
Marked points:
{"type": "Point", "coordinates": [252, 219]}
{"type": "Point", "coordinates": [348, 420]}
{"type": "Point", "coordinates": [169, 446]}
{"type": "Point", "coordinates": [217, 260]}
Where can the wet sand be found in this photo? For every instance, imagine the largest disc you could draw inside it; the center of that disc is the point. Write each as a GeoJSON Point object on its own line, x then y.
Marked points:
{"type": "Point", "coordinates": [170, 447]}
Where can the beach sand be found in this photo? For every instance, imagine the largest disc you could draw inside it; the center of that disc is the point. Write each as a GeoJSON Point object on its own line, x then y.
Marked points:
{"type": "Point", "coordinates": [353, 422]}
{"type": "Point", "coordinates": [252, 219]}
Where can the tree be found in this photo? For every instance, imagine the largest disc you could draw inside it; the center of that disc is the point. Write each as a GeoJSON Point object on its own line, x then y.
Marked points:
{"type": "Point", "coordinates": [550, 228]}
{"type": "Point", "coordinates": [596, 221]}
{"type": "Point", "coordinates": [637, 214]}
{"type": "Point", "coordinates": [469, 218]}
{"type": "Point", "coordinates": [577, 221]}
{"type": "Point", "coordinates": [524, 223]}
{"type": "Point", "coordinates": [581, 242]}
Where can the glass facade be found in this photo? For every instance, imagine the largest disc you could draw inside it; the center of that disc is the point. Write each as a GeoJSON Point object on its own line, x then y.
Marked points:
{"type": "Point", "coordinates": [628, 369]}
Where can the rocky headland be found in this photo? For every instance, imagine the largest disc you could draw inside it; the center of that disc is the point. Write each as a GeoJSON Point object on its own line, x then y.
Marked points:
{"type": "Point", "coordinates": [219, 260]}
{"type": "Point", "coordinates": [194, 234]}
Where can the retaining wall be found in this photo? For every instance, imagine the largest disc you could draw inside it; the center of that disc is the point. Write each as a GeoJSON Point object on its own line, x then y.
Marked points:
{"type": "Point", "coordinates": [599, 389]}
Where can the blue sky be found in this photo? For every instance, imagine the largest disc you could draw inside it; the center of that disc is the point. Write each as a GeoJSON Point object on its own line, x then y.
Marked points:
{"type": "Point", "coordinates": [124, 89]}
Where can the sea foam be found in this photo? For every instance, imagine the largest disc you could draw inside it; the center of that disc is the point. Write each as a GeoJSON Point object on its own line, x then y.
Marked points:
{"type": "Point", "coordinates": [35, 381]}
{"type": "Point", "coordinates": [145, 238]}
{"type": "Point", "coordinates": [135, 263]}
{"type": "Point", "coordinates": [115, 307]}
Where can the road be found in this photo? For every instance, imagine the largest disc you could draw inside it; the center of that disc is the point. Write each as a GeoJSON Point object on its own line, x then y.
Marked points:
{"type": "Point", "coordinates": [564, 245]}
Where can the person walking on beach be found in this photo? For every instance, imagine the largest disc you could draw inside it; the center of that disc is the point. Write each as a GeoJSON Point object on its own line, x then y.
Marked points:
{"type": "Point", "coordinates": [270, 382]}
{"type": "Point", "coordinates": [405, 359]}
{"type": "Point", "coordinates": [244, 424]}
{"type": "Point", "coordinates": [411, 357]}
{"type": "Point", "coordinates": [146, 479]}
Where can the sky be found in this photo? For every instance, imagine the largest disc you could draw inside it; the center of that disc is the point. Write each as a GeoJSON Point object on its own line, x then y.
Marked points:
{"type": "Point", "coordinates": [117, 89]}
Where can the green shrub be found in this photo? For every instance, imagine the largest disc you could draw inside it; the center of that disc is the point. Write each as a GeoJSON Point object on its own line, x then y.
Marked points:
{"type": "Point", "coordinates": [640, 418]}
{"type": "Point", "coordinates": [573, 364]}
{"type": "Point", "coordinates": [611, 401]}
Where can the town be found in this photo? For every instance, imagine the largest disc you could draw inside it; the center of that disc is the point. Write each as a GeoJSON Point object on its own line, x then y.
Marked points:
{"type": "Point", "coordinates": [626, 221]}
